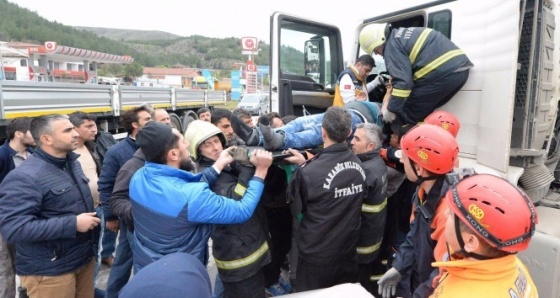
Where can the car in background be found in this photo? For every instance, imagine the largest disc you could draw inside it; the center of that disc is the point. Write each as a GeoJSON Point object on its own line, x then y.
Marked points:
{"type": "Point", "coordinates": [255, 103]}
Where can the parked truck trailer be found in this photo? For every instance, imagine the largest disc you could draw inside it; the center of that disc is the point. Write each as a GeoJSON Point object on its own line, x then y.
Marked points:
{"type": "Point", "coordinates": [107, 102]}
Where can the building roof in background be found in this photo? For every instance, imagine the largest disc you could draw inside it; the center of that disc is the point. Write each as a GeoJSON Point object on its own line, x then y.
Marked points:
{"type": "Point", "coordinates": [184, 72]}
{"type": "Point", "coordinates": [21, 45]}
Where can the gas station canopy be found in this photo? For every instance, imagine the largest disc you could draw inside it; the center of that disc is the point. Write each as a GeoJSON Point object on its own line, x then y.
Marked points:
{"type": "Point", "coordinates": [70, 54]}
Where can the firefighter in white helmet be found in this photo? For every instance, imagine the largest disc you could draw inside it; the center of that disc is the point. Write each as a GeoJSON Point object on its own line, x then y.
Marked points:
{"type": "Point", "coordinates": [427, 69]}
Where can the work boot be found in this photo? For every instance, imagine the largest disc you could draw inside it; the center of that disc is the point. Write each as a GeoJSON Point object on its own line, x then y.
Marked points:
{"type": "Point", "coordinates": [248, 134]}
{"type": "Point", "coordinates": [273, 140]}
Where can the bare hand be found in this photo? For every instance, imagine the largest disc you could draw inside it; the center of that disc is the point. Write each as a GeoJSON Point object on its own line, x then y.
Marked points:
{"type": "Point", "coordinates": [261, 159]}
{"type": "Point", "coordinates": [296, 158]}
{"type": "Point", "coordinates": [87, 221]}
{"type": "Point", "coordinates": [112, 225]}
{"type": "Point", "coordinates": [225, 158]}
{"type": "Point", "coordinates": [389, 86]}
{"type": "Point", "coordinates": [386, 114]}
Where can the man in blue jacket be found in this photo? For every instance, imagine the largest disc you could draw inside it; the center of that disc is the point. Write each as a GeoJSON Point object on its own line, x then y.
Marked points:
{"type": "Point", "coordinates": [172, 209]}
{"type": "Point", "coordinates": [15, 150]}
{"type": "Point", "coordinates": [46, 209]}
{"type": "Point", "coordinates": [17, 147]}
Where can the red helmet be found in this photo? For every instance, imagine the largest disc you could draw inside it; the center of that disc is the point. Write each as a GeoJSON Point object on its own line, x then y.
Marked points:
{"type": "Point", "coordinates": [446, 120]}
{"type": "Point", "coordinates": [494, 209]}
{"type": "Point", "coordinates": [431, 147]}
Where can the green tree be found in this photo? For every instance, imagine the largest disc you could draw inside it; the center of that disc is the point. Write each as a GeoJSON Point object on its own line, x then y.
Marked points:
{"type": "Point", "coordinates": [133, 70]}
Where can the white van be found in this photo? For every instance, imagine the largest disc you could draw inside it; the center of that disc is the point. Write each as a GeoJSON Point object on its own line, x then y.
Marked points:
{"type": "Point", "coordinates": [255, 103]}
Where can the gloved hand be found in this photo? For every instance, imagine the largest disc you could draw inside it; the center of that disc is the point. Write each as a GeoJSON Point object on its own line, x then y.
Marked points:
{"type": "Point", "coordinates": [376, 83]}
{"type": "Point", "coordinates": [380, 79]}
{"type": "Point", "coordinates": [388, 283]}
{"type": "Point", "coordinates": [388, 116]}
{"type": "Point", "coordinates": [241, 155]}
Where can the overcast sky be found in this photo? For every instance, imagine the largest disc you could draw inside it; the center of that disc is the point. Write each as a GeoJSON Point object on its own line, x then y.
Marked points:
{"type": "Point", "coordinates": [219, 18]}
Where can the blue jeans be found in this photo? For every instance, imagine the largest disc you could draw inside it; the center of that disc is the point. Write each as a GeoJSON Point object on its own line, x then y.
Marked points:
{"type": "Point", "coordinates": [108, 238]}
{"type": "Point", "coordinates": [99, 211]}
{"type": "Point", "coordinates": [122, 265]}
{"type": "Point", "coordinates": [218, 287]}
{"type": "Point", "coordinates": [305, 131]}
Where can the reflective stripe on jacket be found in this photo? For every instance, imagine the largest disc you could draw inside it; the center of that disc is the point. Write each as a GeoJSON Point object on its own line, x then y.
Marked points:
{"type": "Point", "coordinates": [374, 207]}
{"type": "Point", "coordinates": [418, 56]}
{"type": "Point", "coordinates": [239, 250]}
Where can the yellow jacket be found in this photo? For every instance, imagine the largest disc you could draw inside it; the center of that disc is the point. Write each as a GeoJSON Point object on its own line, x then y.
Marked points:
{"type": "Point", "coordinates": [502, 277]}
{"type": "Point", "coordinates": [358, 86]}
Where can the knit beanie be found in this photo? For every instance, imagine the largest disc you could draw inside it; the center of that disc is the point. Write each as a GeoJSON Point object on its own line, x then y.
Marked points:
{"type": "Point", "coordinates": [152, 139]}
{"type": "Point", "coordinates": [176, 275]}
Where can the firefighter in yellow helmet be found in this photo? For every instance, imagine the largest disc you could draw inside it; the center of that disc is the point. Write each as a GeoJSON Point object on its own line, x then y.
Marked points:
{"type": "Point", "coordinates": [240, 250]}
{"type": "Point", "coordinates": [427, 69]}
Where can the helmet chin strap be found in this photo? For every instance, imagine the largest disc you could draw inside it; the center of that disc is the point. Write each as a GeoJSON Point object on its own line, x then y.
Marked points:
{"type": "Point", "coordinates": [462, 253]}
{"type": "Point", "coordinates": [420, 179]}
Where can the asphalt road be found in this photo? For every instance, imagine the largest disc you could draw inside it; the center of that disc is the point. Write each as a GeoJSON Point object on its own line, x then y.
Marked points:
{"type": "Point", "coordinates": [104, 270]}
{"type": "Point", "coordinates": [103, 274]}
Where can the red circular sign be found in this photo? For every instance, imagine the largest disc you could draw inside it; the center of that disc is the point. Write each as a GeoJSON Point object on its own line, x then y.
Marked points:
{"type": "Point", "coordinates": [249, 44]}
{"type": "Point", "coordinates": [251, 67]}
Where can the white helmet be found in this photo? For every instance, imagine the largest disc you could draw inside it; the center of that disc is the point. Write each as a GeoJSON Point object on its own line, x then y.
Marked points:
{"type": "Point", "coordinates": [373, 35]}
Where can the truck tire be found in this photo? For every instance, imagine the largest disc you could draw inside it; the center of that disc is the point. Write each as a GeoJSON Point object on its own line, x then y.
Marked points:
{"type": "Point", "coordinates": [176, 122]}
{"type": "Point", "coordinates": [188, 117]}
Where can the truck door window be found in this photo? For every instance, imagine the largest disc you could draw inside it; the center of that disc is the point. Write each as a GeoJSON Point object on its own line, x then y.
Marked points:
{"type": "Point", "coordinates": [305, 56]}
{"type": "Point", "coordinates": [441, 21]}
{"type": "Point", "coordinates": [414, 21]}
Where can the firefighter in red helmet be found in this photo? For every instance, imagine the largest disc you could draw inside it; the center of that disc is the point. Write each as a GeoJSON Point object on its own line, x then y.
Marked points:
{"type": "Point", "coordinates": [429, 152]}
{"type": "Point", "coordinates": [489, 221]}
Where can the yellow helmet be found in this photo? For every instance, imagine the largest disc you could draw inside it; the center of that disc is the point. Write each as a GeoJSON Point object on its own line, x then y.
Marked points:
{"type": "Point", "coordinates": [200, 131]}
{"type": "Point", "coordinates": [373, 35]}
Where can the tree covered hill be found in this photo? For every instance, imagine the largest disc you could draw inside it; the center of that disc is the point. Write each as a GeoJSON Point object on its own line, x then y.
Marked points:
{"type": "Point", "coordinates": [148, 48]}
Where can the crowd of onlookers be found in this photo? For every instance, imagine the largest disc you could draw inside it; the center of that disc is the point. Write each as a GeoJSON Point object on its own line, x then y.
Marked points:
{"type": "Point", "coordinates": [66, 223]}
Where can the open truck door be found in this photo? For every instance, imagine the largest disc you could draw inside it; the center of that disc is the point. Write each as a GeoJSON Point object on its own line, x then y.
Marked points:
{"type": "Point", "coordinates": [508, 108]}
{"type": "Point", "coordinates": [306, 58]}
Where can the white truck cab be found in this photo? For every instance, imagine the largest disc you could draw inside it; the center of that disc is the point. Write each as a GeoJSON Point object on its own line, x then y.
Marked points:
{"type": "Point", "coordinates": [508, 108]}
